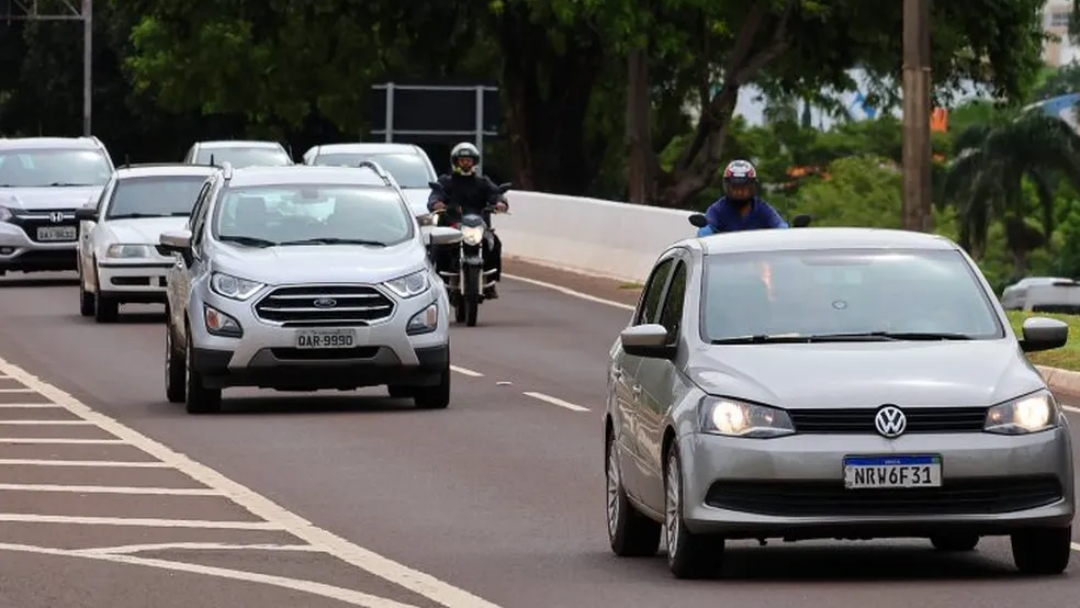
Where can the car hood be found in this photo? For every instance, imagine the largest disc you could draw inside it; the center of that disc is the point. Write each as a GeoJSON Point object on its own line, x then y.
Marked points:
{"type": "Point", "coordinates": [145, 230]}
{"type": "Point", "coordinates": [975, 373]}
{"type": "Point", "coordinates": [417, 199]}
{"type": "Point", "coordinates": [47, 198]}
{"type": "Point", "coordinates": [320, 263]}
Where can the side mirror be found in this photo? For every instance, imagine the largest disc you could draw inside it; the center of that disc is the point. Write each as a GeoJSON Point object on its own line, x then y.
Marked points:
{"type": "Point", "coordinates": [801, 221]}
{"type": "Point", "coordinates": [86, 214]}
{"type": "Point", "coordinates": [503, 187]}
{"type": "Point", "coordinates": [442, 235]}
{"type": "Point", "coordinates": [649, 340]}
{"type": "Point", "coordinates": [175, 242]}
{"type": "Point", "coordinates": [698, 219]}
{"type": "Point", "coordinates": [1043, 333]}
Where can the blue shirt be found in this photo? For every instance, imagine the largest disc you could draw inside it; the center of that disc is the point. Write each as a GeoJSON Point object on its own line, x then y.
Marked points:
{"type": "Point", "coordinates": [725, 217]}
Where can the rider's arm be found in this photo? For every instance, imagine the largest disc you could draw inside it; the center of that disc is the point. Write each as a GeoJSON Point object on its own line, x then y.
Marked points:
{"type": "Point", "coordinates": [493, 194]}
{"type": "Point", "coordinates": [436, 196]}
{"type": "Point", "coordinates": [712, 215]}
{"type": "Point", "coordinates": [772, 218]}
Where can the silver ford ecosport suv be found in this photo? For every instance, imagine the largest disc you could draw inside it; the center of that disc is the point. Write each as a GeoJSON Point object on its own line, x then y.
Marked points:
{"type": "Point", "coordinates": [304, 278]}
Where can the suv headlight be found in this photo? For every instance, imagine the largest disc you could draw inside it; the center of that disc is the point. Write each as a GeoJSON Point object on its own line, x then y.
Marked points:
{"type": "Point", "coordinates": [732, 418]}
{"type": "Point", "coordinates": [232, 287]}
{"type": "Point", "coordinates": [1028, 414]}
{"type": "Point", "coordinates": [410, 285]}
{"type": "Point", "coordinates": [472, 235]}
{"type": "Point", "coordinates": [129, 251]}
{"type": "Point", "coordinates": [5, 214]}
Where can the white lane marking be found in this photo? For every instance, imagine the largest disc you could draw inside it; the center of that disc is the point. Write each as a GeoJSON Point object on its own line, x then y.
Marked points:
{"type": "Point", "coordinates": [39, 487]}
{"type": "Point", "coordinates": [347, 596]}
{"type": "Point", "coordinates": [465, 371]}
{"type": "Point", "coordinates": [570, 292]}
{"type": "Point", "coordinates": [30, 462]}
{"type": "Point", "coordinates": [47, 422]}
{"type": "Point", "coordinates": [1075, 410]}
{"type": "Point", "coordinates": [1076, 546]}
{"type": "Point", "coordinates": [557, 401]}
{"type": "Point", "coordinates": [29, 406]}
{"type": "Point", "coordinates": [127, 549]}
{"type": "Point", "coordinates": [16, 390]}
{"type": "Point", "coordinates": [418, 582]}
{"type": "Point", "coordinates": [139, 522]}
{"type": "Point", "coordinates": [36, 440]}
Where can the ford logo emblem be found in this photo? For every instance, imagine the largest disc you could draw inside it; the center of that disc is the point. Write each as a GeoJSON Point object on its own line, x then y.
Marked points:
{"type": "Point", "coordinates": [325, 303]}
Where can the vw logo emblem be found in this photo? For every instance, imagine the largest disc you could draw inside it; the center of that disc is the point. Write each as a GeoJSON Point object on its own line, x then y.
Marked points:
{"type": "Point", "coordinates": [325, 303]}
{"type": "Point", "coordinates": [56, 216]}
{"type": "Point", "coordinates": [890, 421]}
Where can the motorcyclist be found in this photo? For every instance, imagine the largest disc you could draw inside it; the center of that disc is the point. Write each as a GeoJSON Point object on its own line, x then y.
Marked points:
{"type": "Point", "coordinates": [467, 189]}
{"type": "Point", "coordinates": [740, 208]}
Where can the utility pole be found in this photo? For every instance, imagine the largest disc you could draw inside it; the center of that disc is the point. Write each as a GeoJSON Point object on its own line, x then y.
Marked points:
{"type": "Point", "coordinates": [915, 210]}
{"type": "Point", "coordinates": [63, 10]}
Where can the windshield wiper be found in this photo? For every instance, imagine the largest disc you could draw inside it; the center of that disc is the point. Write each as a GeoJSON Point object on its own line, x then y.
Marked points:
{"type": "Point", "coordinates": [869, 336]}
{"type": "Point", "coordinates": [334, 241]}
{"type": "Point", "coordinates": [762, 339]}
{"type": "Point", "coordinates": [250, 241]}
{"type": "Point", "coordinates": [917, 335]}
{"type": "Point", "coordinates": [131, 216]}
{"type": "Point", "coordinates": [67, 185]}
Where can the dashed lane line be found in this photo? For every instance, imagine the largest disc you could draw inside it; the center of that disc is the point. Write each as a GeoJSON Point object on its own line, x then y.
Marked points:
{"type": "Point", "coordinates": [1075, 410]}
{"type": "Point", "coordinates": [121, 464]}
{"type": "Point", "coordinates": [128, 549]}
{"type": "Point", "coordinates": [46, 422]}
{"type": "Point", "coordinates": [37, 487]}
{"type": "Point", "coordinates": [55, 440]}
{"type": "Point", "coordinates": [556, 401]}
{"type": "Point", "coordinates": [29, 406]}
{"type": "Point", "coordinates": [465, 371]}
{"type": "Point", "coordinates": [274, 517]}
{"type": "Point", "coordinates": [17, 390]}
{"type": "Point", "coordinates": [569, 292]}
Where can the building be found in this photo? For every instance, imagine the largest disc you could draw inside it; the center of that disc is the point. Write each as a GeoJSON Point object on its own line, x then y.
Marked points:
{"type": "Point", "coordinates": [1056, 21]}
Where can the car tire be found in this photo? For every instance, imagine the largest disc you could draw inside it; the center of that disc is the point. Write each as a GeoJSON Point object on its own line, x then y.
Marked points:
{"type": "Point", "coordinates": [86, 301]}
{"type": "Point", "coordinates": [630, 533]}
{"type": "Point", "coordinates": [434, 397]}
{"type": "Point", "coordinates": [199, 399]}
{"type": "Point", "coordinates": [175, 369]}
{"type": "Point", "coordinates": [106, 310]}
{"type": "Point", "coordinates": [398, 391]}
{"type": "Point", "coordinates": [955, 542]}
{"type": "Point", "coordinates": [689, 555]}
{"type": "Point", "coordinates": [1042, 551]}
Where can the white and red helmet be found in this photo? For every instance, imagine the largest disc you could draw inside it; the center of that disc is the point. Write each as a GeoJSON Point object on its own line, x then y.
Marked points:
{"type": "Point", "coordinates": [740, 176]}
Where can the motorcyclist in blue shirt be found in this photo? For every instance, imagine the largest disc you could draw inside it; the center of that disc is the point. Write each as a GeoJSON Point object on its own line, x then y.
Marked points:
{"type": "Point", "coordinates": [740, 208]}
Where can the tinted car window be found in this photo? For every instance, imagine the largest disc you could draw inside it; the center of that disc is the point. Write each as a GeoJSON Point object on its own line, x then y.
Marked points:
{"type": "Point", "coordinates": [244, 157]}
{"type": "Point", "coordinates": [42, 168]}
{"type": "Point", "coordinates": [155, 196]}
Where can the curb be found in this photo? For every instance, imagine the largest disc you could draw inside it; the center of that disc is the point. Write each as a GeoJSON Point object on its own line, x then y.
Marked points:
{"type": "Point", "coordinates": [1060, 380]}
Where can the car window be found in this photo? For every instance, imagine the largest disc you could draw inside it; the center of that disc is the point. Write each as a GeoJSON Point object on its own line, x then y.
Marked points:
{"type": "Point", "coordinates": [53, 167]}
{"type": "Point", "coordinates": [844, 291]}
{"type": "Point", "coordinates": [198, 213]}
{"type": "Point", "coordinates": [313, 214]}
{"type": "Point", "coordinates": [649, 305]}
{"type": "Point", "coordinates": [155, 196]}
{"type": "Point", "coordinates": [408, 170]}
{"type": "Point", "coordinates": [106, 192]}
{"type": "Point", "coordinates": [671, 315]}
{"type": "Point", "coordinates": [244, 157]}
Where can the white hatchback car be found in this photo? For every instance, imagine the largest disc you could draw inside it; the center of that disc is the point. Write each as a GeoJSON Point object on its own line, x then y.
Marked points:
{"type": "Point", "coordinates": [117, 259]}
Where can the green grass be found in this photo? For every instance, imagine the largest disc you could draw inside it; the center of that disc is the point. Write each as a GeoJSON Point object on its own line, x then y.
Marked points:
{"type": "Point", "coordinates": [1066, 357]}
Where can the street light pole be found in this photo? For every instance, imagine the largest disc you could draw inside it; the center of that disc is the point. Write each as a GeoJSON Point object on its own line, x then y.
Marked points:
{"type": "Point", "coordinates": [88, 63]}
{"type": "Point", "coordinates": [915, 210]}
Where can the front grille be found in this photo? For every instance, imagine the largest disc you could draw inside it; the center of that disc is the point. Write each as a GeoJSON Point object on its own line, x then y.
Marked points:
{"type": "Point", "coordinates": [325, 305]}
{"type": "Point", "coordinates": [30, 221]}
{"type": "Point", "coordinates": [808, 499]}
{"type": "Point", "coordinates": [919, 420]}
{"type": "Point", "coordinates": [324, 354]}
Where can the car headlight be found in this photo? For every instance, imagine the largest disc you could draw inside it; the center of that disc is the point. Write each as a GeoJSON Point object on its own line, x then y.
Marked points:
{"type": "Point", "coordinates": [423, 322]}
{"type": "Point", "coordinates": [1028, 414]}
{"type": "Point", "coordinates": [128, 251]}
{"type": "Point", "coordinates": [409, 285]}
{"type": "Point", "coordinates": [472, 235]}
{"type": "Point", "coordinates": [232, 287]}
{"type": "Point", "coordinates": [723, 416]}
{"type": "Point", "coordinates": [5, 214]}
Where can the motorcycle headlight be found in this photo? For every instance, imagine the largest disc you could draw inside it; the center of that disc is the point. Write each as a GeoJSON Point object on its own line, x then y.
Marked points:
{"type": "Point", "coordinates": [1028, 414]}
{"type": "Point", "coordinates": [732, 418]}
{"type": "Point", "coordinates": [121, 250]}
{"type": "Point", "coordinates": [472, 235]}
{"type": "Point", "coordinates": [234, 288]}
{"type": "Point", "coordinates": [409, 285]}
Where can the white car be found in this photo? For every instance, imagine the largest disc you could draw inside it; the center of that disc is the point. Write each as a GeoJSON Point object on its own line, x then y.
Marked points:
{"type": "Point", "coordinates": [1014, 297]}
{"type": "Point", "coordinates": [117, 259]}
{"type": "Point", "coordinates": [408, 164]}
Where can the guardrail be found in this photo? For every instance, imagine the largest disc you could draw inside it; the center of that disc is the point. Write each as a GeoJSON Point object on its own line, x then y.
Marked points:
{"type": "Point", "coordinates": [593, 236]}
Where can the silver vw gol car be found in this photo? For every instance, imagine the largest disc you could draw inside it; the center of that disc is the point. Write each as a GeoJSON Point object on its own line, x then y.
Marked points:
{"type": "Point", "coordinates": [846, 383]}
{"type": "Point", "coordinates": [304, 278]}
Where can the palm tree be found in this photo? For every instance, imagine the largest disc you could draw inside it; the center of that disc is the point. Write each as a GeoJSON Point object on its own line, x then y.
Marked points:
{"type": "Point", "coordinates": [986, 180]}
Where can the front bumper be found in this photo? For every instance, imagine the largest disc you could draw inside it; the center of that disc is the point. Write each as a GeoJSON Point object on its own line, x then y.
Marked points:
{"type": "Point", "coordinates": [135, 282]}
{"type": "Point", "coordinates": [793, 487]}
{"type": "Point", "coordinates": [19, 252]}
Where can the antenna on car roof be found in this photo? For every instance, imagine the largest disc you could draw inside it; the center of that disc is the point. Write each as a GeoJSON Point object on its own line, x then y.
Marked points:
{"type": "Point", "coordinates": [211, 159]}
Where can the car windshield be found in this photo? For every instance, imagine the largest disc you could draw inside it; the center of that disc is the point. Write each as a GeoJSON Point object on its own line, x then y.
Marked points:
{"type": "Point", "coordinates": [43, 168]}
{"type": "Point", "coordinates": [312, 214]}
{"type": "Point", "coordinates": [239, 157]}
{"type": "Point", "coordinates": [409, 170]}
{"type": "Point", "coordinates": [893, 294]}
{"type": "Point", "coordinates": [156, 196]}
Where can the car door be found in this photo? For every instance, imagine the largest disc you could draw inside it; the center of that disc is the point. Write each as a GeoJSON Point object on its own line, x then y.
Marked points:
{"type": "Point", "coordinates": [178, 277]}
{"type": "Point", "coordinates": [660, 388]}
{"type": "Point", "coordinates": [625, 386]}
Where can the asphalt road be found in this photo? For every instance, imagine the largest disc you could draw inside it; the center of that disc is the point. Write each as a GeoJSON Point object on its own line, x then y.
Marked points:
{"type": "Point", "coordinates": [356, 499]}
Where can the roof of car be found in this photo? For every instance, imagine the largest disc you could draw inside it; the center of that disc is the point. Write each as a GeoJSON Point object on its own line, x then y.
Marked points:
{"type": "Point", "coordinates": [293, 174]}
{"type": "Point", "coordinates": [805, 239]}
{"type": "Point", "coordinates": [164, 169]}
{"type": "Point", "coordinates": [86, 143]}
{"type": "Point", "coordinates": [367, 148]}
{"type": "Point", "coordinates": [238, 143]}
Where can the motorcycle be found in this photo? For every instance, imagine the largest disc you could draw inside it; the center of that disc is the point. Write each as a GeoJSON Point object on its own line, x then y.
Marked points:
{"type": "Point", "coordinates": [466, 279]}
{"type": "Point", "coordinates": [704, 229]}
